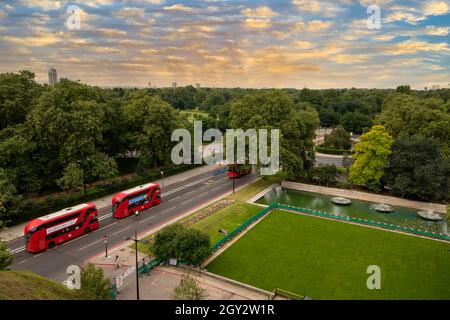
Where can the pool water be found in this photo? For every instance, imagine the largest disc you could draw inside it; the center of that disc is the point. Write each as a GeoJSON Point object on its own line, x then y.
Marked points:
{"type": "Point", "coordinates": [357, 209]}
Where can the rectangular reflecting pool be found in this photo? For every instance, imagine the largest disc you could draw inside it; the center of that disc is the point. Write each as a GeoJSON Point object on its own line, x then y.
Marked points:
{"type": "Point", "coordinates": [358, 209]}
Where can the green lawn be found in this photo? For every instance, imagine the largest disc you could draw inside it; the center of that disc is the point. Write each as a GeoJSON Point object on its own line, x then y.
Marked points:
{"type": "Point", "coordinates": [228, 218]}
{"type": "Point", "coordinates": [191, 114]}
{"type": "Point", "coordinates": [329, 259]}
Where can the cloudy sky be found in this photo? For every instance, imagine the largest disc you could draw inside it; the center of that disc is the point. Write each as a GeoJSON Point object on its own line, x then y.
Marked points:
{"type": "Point", "coordinates": [229, 43]}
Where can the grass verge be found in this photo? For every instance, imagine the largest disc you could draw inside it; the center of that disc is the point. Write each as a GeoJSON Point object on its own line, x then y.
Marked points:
{"type": "Point", "coordinates": [253, 188]}
{"type": "Point", "coordinates": [24, 285]}
{"type": "Point", "coordinates": [228, 219]}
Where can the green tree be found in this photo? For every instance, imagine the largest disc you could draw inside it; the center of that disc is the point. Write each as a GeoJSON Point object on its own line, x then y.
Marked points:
{"type": "Point", "coordinates": [326, 174]}
{"type": "Point", "coordinates": [151, 123]}
{"type": "Point", "coordinates": [407, 115]}
{"type": "Point", "coordinates": [6, 257]}
{"type": "Point", "coordinates": [417, 169]}
{"type": "Point", "coordinates": [182, 243]}
{"type": "Point", "coordinates": [371, 158]}
{"type": "Point", "coordinates": [338, 139]}
{"type": "Point", "coordinates": [94, 284]}
{"type": "Point", "coordinates": [72, 178]}
{"type": "Point", "coordinates": [276, 110]}
{"type": "Point", "coordinates": [356, 122]}
{"type": "Point", "coordinates": [328, 117]}
{"type": "Point", "coordinates": [406, 89]}
{"type": "Point", "coordinates": [8, 197]}
{"type": "Point", "coordinates": [188, 289]}
{"type": "Point", "coordinates": [17, 153]}
{"type": "Point", "coordinates": [17, 92]}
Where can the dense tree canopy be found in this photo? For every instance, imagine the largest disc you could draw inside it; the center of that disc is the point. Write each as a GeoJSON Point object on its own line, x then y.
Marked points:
{"type": "Point", "coordinates": [182, 243]}
{"type": "Point", "coordinates": [276, 110]}
{"type": "Point", "coordinates": [417, 169]}
{"type": "Point", "coordinates": [406, 115]}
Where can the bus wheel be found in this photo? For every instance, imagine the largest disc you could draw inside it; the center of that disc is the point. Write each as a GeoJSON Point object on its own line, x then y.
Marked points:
{"type": "Point", "coordinates": [51, 245]}
{"type": "Point", "coordinates": [87, 230]}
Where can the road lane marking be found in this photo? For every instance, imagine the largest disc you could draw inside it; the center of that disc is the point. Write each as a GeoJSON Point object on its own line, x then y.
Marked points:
{"type": "Point", "coordinates": [23, 261]}
{"type": "Point", "coordinates": [121, 230]}
{"type": "Point", "coordinates": [168, 210]}
{"type": "Point", "coordinates": [203, 194]}
{"type": "Point", "coordinates": [40, 254]}
{"type": "Point", "coordinates": [17, 250]}
{"type": "Point", "coordinates": [165, 194]}
{"type": "Point", "coordinates": [91, 244]}
{"type": "Point", "coordinates": [174, 199]}
{"type": "Point", "coordinates": [215, 189]}
{"type": "Point", "coordinates": [187, 201]}
{"type": "Point", "coordinates": [105, 216]}
{"type": "Point", "coordinates": [109, 225]}
{"type": "Point", "coordinates": [146, 219]}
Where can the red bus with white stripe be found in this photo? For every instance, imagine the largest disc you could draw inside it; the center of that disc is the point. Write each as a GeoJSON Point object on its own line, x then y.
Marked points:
{"type": "Point", "coordinates": [140, 198]}
{"type": "Point", "coordinates": [55, 228]}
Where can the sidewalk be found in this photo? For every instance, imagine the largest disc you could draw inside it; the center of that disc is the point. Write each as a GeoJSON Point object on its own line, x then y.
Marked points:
{"type": "Point", "coordinates": [16, 231]}
{"type": "Point", "coordinates": [162, 280]}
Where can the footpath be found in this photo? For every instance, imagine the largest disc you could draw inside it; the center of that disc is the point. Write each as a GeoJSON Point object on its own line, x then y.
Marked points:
{"type": "Point", "coordinates": [16, 231]}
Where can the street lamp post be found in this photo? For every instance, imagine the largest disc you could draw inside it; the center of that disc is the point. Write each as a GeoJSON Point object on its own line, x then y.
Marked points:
{"type": "Point", "coordinates": [106, 246]}
{"type": "Point", "coordinates": [79, 163]}
{"type": "Point", "coordinates": [233, 184]}
{"type": "Point", "coordinates": [137, 262]}
{"type": "Point", "coordinates": [162, 179]}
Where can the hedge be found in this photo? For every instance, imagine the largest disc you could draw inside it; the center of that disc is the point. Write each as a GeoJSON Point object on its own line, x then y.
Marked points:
{"type": "Point", "coordinates": [332, 151]}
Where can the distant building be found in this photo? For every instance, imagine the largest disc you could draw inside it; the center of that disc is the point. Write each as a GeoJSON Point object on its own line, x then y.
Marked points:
{"type": "Point", "coordinates": [52, 77]}
{"type": "Point", "coordinates": [197, 85]}
{"type": "Point", "coordinates": [174, 85]}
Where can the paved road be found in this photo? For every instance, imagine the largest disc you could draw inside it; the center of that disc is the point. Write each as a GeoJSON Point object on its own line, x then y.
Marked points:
{"type": "Point", "coordinates": [328, 159]}
{"type": "Point", "coordinates": [177, 199]}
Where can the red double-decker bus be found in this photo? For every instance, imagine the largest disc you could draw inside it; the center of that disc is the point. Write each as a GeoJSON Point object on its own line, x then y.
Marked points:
{"type": "Point", "coordinates": [55, 228]}
{"type": "Point", "coordinates": [236, 171]}
{"type": "Point", "coordinates": [140, 198]}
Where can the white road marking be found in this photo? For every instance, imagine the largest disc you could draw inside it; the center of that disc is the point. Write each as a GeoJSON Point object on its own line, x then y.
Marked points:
{"type": "Point", "coordinates": [37, 255]}
{"type": "Point", "coordinates": [203, 194]}
{"type": "Point", "coordinates": [168, 210]}
{"type": "Point", "coordinates": [215, 189]}
{"type": "Point", "coordinates": [17, 250]}
{"type": "Point", "coordinates": [90, 245]}
{"type": "Point", "coordinates": [174, 199]}
{"type": "Point", "coordinates": [146, 219]}
{"type": "Point", "coordinates": [23, 261]}
{"type": "Point", "coordinates": [187, 201]}
{"type": "Point", "coordinates": [121, 230]}
{"type": "Point", "coordinates": [109, 225]}
{"type": "Point", "coordinates": [105, 216]}
{"type": "Point", "coordinates": [165, 194]}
